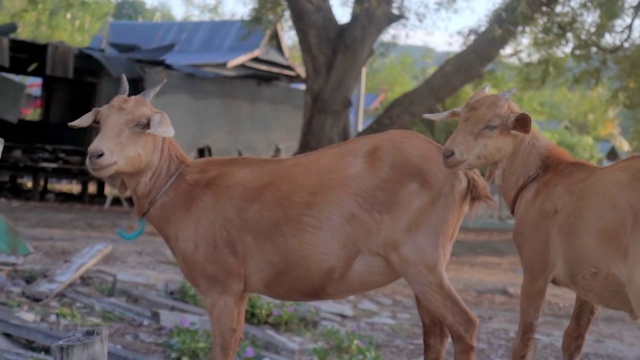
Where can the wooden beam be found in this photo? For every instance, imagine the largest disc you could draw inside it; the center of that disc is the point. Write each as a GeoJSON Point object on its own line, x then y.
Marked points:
{"type": "Point", "coordinates": [149, 299]}
{"type": "Point", "coordinates": [112, 305]}
{"type": "Point", "coordinates": [67, 273]}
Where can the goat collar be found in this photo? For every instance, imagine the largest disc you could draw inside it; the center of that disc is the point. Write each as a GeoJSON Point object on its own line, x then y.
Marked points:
{"type": "Point", "coordinates": [164, 189]}
{"type": "Point", "coordinates": [524, 185]}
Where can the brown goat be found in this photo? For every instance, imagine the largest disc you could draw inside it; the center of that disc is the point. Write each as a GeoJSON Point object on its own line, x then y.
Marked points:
{"type": "Point", "coordinates": [324, 225]}
{"type": "Point", "coordinates": [577, 224]}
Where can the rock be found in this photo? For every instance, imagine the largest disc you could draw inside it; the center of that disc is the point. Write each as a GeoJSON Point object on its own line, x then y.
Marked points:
{"type": "Point", "coordinates": [93, 320]}
{"type": "Point", "coordinates": [333, 307]}
{"type": "Point", "coordinates": [403, 316]}
{"type": "Point", "coordinates": [52, 318]}
{"type": "Point", "coordinates": [383, 300]}
{"type": "Point", "coordinates": [149, 338]}
{"type": "Point", "coordinates": [327, 324]}
{"type": "Point", "coordinates": [380, 320]}
{"type": "Point", "coordinates": [27, 316]}
{"type": "Point", "coordinates": [13, 290]}
{"type": "Point", "coordinates": [367, 305]}
{"type": "Point", "coordinates": [18, 282]}
{"type": "Point", "coordinates": [330, 317]}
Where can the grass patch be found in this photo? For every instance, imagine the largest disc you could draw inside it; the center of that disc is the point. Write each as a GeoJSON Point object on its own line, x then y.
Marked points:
{"type": "Point", "coordinates": [345, 345]}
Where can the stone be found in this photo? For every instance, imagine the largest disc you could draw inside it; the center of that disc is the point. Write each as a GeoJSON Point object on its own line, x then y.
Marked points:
{"type": "Point", "coordinates": [380, 320]}
{"type": "Point", "coordinates": [27, 316]}
{"type": "Point", "coordinates": [330, 317]}
{"type": "Point", "coordinates": [383, 300]}
{"type": "Point", "coordinates": [13, 290]}
{"type": "Point", "coordinates": [333, 307]}
{"type": "Point", "coordinates": [17, 282]}
{"type": "Point", "coordinates": [327, 324]}
{"type": "Point", "coordinates": [403, 316]}
{"type": "Point", "coordinates": [367, 305]}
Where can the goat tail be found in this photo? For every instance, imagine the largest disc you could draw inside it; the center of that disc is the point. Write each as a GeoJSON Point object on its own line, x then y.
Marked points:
{"type": "Point", "coordinates": [478, 192]}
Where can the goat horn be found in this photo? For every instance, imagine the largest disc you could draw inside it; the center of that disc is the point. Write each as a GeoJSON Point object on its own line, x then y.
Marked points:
{"type": "Point", "coordinates": [506, 95]}
{"type": "Point", "coordinates": [124, 86]}
{"type": "Point", "coordinates": [150, 93]}
{"type": "Point", "coordinates": [485, 89]}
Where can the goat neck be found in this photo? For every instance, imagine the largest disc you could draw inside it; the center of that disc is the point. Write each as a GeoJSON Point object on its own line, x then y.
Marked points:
{"type": "Point", "coordinates": [526, 160]}
{"type": "Point", "coordinates": [147, 184]}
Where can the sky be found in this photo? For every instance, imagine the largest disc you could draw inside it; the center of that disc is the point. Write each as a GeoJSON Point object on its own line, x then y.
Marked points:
{"type": "Point", "coordinates": [439, 33]}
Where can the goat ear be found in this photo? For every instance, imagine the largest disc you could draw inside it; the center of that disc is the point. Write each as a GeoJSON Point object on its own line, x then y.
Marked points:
{"type": "Point", "coordinates": [85, 120]}
{"type": "Point", "coordinates": [161, 125]}
{"type": "Point", "coordinates": [520, 122]}
{"type": "Point", "coordinates": [449, 114]}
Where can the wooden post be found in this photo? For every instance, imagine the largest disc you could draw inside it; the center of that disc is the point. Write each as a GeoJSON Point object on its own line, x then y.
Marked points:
{"type": "Point", "coordinates": [84, 344]}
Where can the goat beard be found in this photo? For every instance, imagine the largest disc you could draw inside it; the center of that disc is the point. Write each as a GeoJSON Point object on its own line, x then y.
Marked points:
{"type": "Point", "coordinates": [116, 182]}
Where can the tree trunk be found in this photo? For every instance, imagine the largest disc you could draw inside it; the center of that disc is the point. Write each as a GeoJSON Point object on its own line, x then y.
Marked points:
{"type": "Point", "coordinates": [463, 68]}
{"type": "Point", "coordinates": [333, 55]}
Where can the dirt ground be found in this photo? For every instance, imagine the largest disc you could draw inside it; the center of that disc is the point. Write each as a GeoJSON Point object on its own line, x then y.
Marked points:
{"type": "Point", "coordinates": [484, 269]}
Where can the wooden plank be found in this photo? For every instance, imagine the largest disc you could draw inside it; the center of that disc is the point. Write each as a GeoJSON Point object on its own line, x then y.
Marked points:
{"type": "Point", "coordinates": [15, 354]}
{"type": "Point", "coordinates": [30, 332]}
{"type": "Point", "coordinates": [67, 273]}
{"type": "Point", "coordinates": [46, 338]}
{"type": "Point", "coordinates": [116, 306]}
{"type": "Point", "coordinates": [84, 344]}
{"type": "Point", "coordinates": [149, 299]}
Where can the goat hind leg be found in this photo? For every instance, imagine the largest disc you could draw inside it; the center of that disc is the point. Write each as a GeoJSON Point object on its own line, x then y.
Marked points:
{"type": "Point", "coordinates": [575, 333]}
{"type": "Point", "coordinates": [226, 314]}
{"type": "Point", "coordinates": [436, 293]}
{"type": "Point", "coordinates": [435, 334]}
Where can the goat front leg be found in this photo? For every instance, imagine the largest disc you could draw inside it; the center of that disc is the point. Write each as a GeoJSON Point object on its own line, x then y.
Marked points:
{"type": "Point", "coordinates": [226, 314]}
{"type": "Point", "coordinates": [532, 294]}
{"type": "Point", "coordinates": [574, 335]}
{"type": "Point", "coordinates": [435, 334]}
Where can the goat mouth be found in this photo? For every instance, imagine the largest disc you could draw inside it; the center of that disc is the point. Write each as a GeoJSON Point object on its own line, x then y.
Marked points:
{"type": "Point", "coordinates": [454, 164]}
{"type": "Point", "coordinates": [99, 169]}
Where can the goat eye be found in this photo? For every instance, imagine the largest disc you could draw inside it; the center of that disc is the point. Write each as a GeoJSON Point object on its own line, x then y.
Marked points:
{"type": "Point", "coordinates": [141, 125]}
{"type": "Point", "coordinates": [490, 127]}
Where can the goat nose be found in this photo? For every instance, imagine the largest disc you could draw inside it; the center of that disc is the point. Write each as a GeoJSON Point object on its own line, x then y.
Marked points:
{"type": "Point", "coordinates": [95, 154]}
{"type": "Point", "coordinates": [448, 154]}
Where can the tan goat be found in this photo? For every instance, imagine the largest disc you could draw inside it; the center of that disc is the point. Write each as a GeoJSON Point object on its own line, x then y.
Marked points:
{"type": "Point", "coordinates": [324, 225]}
{"type": "Point", "coordinates": [577, 224]}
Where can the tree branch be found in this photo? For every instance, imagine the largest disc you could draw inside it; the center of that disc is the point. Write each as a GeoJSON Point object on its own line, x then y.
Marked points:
{"type": "Point", "coordinates": [368, 20]}
{"type": "Point", "coordinates": [317, 30]}
{"type": "Point", "coordinates": [461, 69]}
{"type": "Point", "coordinates": [629, 29]}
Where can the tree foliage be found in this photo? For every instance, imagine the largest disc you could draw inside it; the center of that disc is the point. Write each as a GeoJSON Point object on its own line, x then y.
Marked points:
{"type": "Point", "coordinates": [198, 10]}
{"type": "Point", "coordinates": [71, 21]}
{"type": "Point", "coordinates": [138, 10]}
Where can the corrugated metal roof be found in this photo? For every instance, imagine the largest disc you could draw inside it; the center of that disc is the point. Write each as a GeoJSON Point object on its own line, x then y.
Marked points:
{"type": "Point", "coordinates": [196, 43]}
{"type": "Point", "coordinates": [194, 47]}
